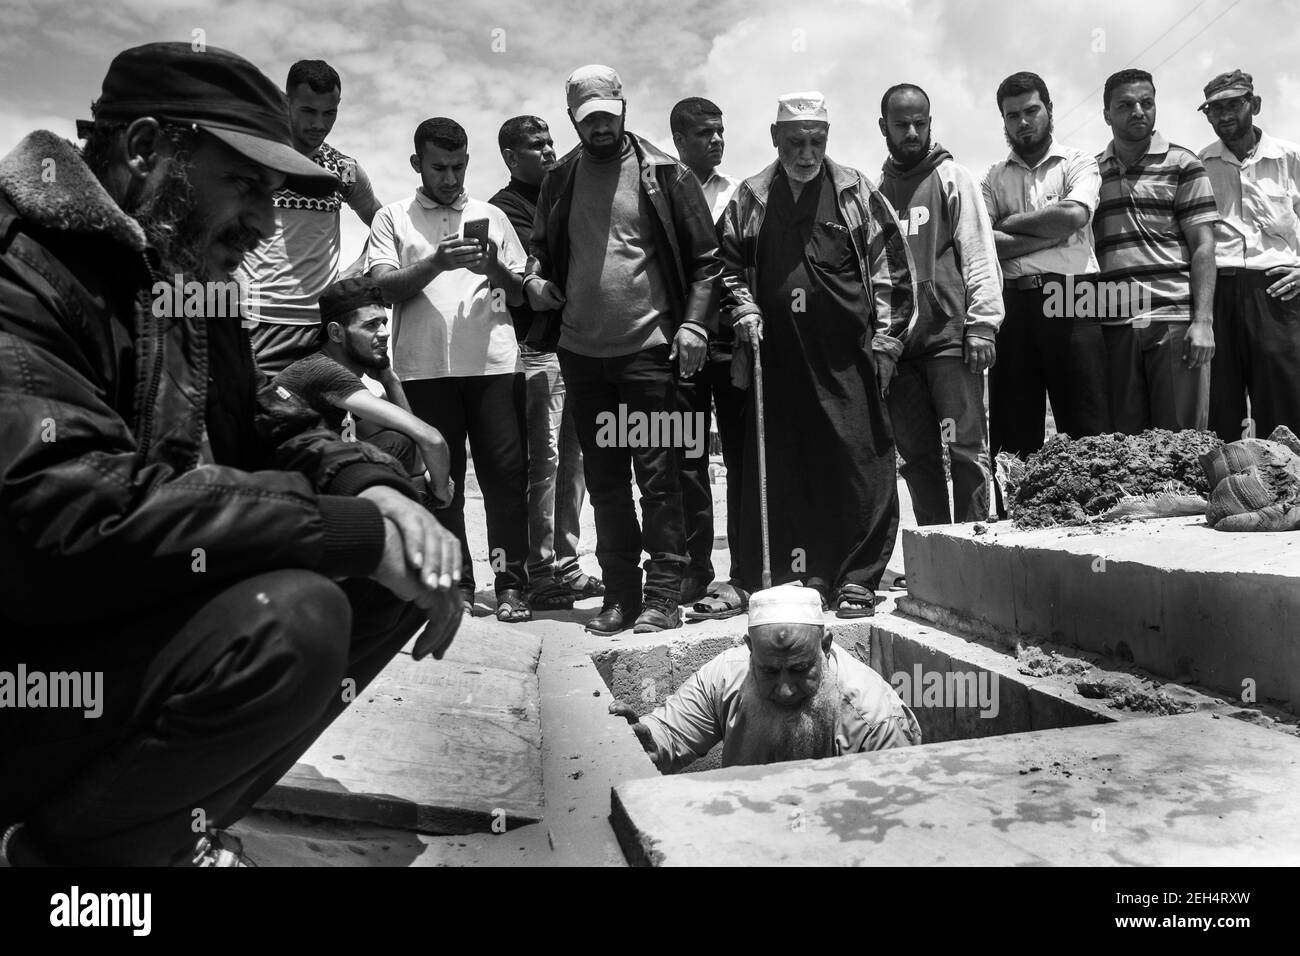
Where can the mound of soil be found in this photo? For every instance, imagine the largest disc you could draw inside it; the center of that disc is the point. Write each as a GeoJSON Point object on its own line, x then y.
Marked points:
{"type": "Point", "coordinates": [1069, 481]}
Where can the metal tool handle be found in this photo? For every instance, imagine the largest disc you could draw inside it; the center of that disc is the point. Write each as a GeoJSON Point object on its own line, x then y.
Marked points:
{"type": "Point", "coordinates": [762, 465]}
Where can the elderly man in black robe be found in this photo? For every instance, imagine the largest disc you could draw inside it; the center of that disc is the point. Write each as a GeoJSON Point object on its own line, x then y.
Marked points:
{"type": "Point", "coordinates": [818, 276]}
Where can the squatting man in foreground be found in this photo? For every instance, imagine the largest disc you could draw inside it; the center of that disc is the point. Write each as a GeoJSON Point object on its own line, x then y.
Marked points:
{"type": "Point", "coordinates": [230, 565]}
{"type": "Point", "coordinates": [789, 694]}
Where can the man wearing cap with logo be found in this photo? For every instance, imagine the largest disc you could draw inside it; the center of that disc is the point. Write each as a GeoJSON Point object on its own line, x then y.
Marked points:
{"type": "Point", "coordinates": [1256, 181]}
{"type": "Point", "coordinates": [287, 274]}
{"type": "Point", "coordinates": [168, 528]}
{"type": "Point", "coordinates": [624, 247]}
{"type": "Point", "coordinates": [816, 269]}
{"type": "Point", "coordinates": [789, 694]}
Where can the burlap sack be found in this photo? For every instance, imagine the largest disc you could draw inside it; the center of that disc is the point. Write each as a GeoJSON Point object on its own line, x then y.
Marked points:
{"type": "Point", "coordinates": [1269, 518]}
{"type": "Point", "coordinates": [1238, 494]}
{"type": "Point", "coordinates": [1239, 456]}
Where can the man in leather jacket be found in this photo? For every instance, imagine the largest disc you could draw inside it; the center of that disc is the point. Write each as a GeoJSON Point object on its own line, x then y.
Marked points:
{"type": "Point", "coordinates": [174, 532]}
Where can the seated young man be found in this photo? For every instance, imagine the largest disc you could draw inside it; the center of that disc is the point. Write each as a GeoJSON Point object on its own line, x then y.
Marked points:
{"type": "Point", "coordinates": [354, 341]}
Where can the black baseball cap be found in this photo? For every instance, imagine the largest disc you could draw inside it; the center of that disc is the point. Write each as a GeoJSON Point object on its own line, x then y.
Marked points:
{"type": "Point", "coordinates": [219, 92]}
{"type": "Point", "coordinates": [347, 296]}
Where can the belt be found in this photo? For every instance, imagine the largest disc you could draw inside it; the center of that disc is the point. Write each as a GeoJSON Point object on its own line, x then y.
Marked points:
{"type": "Point", "coordinates": [1038, 280]}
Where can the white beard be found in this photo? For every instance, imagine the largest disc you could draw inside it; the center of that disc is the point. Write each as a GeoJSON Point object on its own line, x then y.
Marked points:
{"type": "Point", "coordinates": [771, 733]}
{"type": "Point", "coordinates": [797, 175]}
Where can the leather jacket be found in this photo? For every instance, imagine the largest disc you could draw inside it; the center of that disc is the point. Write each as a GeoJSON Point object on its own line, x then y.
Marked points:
{"type": "Point", "coordinates": [684, 228]}
{"type": "Point", "coordinates": [143, 458]}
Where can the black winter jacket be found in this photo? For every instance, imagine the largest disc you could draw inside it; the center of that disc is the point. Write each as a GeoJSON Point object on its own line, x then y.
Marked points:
{"type": "Point", "coordinates": [135, 449]}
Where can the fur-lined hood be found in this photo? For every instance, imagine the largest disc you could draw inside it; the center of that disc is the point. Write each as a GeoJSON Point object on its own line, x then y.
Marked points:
{"type": "Point", "coordinates": [48, 184]}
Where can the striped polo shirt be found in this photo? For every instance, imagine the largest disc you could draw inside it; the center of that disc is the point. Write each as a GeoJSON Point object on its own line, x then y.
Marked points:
{"type": "Point", "coordinates": [1140, 223]}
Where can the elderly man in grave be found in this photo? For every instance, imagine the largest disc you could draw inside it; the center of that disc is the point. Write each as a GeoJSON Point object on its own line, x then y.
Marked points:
{"type": "Point", "coordinates": [789, 694]}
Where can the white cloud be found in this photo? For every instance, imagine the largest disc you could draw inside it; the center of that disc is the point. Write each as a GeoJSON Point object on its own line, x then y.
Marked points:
{"type": "Point", "coordinates": [404, 61]}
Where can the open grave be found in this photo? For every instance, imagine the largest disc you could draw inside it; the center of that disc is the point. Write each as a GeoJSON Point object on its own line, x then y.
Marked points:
{"type": "Point", "coordinates": [1090, 756]}
{"type": "Point", "coordinates": [505, 753]}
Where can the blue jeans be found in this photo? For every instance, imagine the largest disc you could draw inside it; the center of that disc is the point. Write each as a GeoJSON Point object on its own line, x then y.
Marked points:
{"type": "Point", "coordinates": [935, 401]}
{"type": "Point", "coordinates": [555, 483]}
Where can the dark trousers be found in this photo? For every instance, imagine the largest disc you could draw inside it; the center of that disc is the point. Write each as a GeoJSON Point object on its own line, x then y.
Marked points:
{"type": "Point", "coordinates": [276, 347]}
{"type": "Point", "coordinates": [205, 707]}
{"type": "Point", "coordinates": [712, 385]}
{"type": "Point", "coordinates": [936, 401]}
{"type": "Point", "coordinates": [642, 382]}
{"type": "Point", "coordinates": [1150, 384]}
{"type": "Point", "coordinates": [1038, 356]}
{"type": "Point", "coordinates": [1256, 352]}
{"type": "Point", "coordinates": [489, 411]}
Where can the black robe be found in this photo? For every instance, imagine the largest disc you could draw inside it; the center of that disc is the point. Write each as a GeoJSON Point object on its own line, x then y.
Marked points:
{"type": "Point", "coordinates": [831, 482]}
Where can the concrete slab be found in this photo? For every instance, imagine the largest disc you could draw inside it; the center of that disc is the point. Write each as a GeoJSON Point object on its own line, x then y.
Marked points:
{"type": "Point", "coordinates": [449, 746]}
{"type": "Point", "coordinates": [1187, 790]}
{"type": "Point", "coordinates": [1170, 595]}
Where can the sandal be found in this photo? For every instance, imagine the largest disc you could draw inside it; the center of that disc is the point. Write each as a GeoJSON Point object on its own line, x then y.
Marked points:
{"type": "Point", "coordinates": [552, 595]}
{"type": "Point", "coordinates": [584, 585]}
{"type": "Point", "coordinates": [512, 608]}
{"type": "Point", "coordinates": [853, 600]}
{"type": "Point", "coordinates": [720, 603]}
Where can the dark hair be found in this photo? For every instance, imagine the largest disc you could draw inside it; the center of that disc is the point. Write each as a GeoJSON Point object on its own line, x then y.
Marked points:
{"type": "Point", "coordinates": [343, 298]}
{"type": "Point", "coordinates": [1122, 77]}
{"type": "Point", "coordinates": [98, 151]}
{"type": "Point", "coordinates": [899, 88]}
{"type": "Point", "coordinates": [441, 132]}
{"type": "Point", "coordinates": [516, 130]}
{"type": "Point", "coordinates": [317, 74]}
{"type": "Point", "coordinates": [690, 112]}
{"type": "Point", "coordinates": [1018, 84]}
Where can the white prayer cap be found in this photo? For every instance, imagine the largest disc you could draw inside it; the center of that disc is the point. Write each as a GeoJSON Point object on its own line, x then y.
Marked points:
{"type": "Point", "coordinates": [786, 604]}
{"type": "Point", "coordinates": [809, 107]}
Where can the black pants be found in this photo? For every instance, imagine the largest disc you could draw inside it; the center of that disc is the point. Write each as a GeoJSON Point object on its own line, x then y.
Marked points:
{"type": "Point", "coordinates": [1041, 356]}
{"type": "Point", "coordinates": [489, 411]}
{"type": "Point", "coordinates": [1256, 351]}
{"type": "Point", "coordinates": [712, 382]}
{"type": "Point", "coordinates": [204, 708]}
{"type": "Point", "coordinates": [642, 382]}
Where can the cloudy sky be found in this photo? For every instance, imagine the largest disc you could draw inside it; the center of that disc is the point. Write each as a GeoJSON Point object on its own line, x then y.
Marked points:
{"type": "Point", "coordinates": [481, 63]}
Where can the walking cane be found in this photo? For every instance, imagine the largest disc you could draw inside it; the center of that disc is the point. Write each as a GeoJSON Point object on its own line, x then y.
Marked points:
{"type": "Point", "coordinates": [762, 465]}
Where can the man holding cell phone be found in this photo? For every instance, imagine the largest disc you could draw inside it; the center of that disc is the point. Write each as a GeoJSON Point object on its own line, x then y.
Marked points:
{"type": "Point", "coordinates": [451, 265]}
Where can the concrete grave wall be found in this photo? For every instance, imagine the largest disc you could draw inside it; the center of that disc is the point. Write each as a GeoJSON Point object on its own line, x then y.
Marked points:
{"type": "Point", "coordinates": [1169, 595]}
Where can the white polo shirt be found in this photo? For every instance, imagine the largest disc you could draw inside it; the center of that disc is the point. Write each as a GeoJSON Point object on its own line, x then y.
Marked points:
{"type": "Point", "coordinates": [457, 325]}
{"type": "Point", "coordinates": [1259, 204]}
{"type": "Point", "coordinates": [717, 192]}
{"type": "Point", "coordinates": [1063, 173]}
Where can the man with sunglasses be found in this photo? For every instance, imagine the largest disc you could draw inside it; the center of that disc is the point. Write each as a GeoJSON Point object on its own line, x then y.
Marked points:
{"type": "Point", "coordinates": [1256, 181]}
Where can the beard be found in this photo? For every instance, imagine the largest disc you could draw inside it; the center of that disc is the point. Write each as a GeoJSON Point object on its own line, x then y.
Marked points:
{"type": "Point", "coordinates": [797, 175]}
{"type": "Point", "coordinates": [907, 158]}
{"type": "Point", "coordinates": [605, 151]}
{"type": "Point", "coordinates": [176, 228]}
{"type": "Point", "coordinates": [367, 359]}
{"type": "Point", "coordinates": [1023, 149]}
{"type": "Point", "coordinates": [773, 733]}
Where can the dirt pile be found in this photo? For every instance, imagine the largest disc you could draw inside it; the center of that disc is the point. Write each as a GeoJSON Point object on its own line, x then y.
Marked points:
{"type": "Point", "coordinates": [1074, 481]}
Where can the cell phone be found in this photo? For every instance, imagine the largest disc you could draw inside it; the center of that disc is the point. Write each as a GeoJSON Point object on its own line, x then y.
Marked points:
{"type": "Point", "coordinates": [477, 229]}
